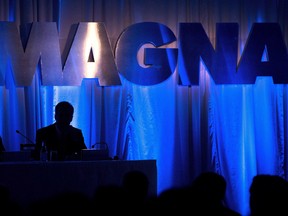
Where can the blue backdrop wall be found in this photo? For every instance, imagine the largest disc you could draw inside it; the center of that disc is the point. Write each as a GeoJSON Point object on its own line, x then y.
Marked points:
{"type": "Point", "coordinates": [236, 130]}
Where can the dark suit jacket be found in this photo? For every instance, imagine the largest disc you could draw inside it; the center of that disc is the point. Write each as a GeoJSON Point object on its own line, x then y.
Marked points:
{"type": "Point", "coordinates": [66, 147]}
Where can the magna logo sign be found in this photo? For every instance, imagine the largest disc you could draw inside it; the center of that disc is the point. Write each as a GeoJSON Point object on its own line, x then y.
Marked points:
{"type": "Point", "coordinates": [88, 54]}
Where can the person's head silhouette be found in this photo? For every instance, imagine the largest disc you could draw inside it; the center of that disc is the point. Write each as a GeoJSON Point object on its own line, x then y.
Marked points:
{"type": "Point", "coordinates": [268, 195]}
{"type": "Point", "coordinates": [64, 113]}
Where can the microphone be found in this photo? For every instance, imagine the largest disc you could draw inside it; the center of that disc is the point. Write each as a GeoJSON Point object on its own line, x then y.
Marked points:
{"type": "Point", "coordinates": [100, 146]}
{"type": "Point", "coordinates": [17, 131]}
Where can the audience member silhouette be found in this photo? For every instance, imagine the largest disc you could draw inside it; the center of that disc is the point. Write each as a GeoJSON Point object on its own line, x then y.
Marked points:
{"type": "Point", "coordinates": [60, 136]}
{"type": "Point", "coordinates": [174, 201]}
{"type": "Point", "coordinates": [2, 148]}
{"type": "Point", "coordinates": [8, 206]}
{"type": "Point", "coordinates": [136, 186]}
{"type": "Point", "coordinates": [110, 200]}
{"type": "Point", "coordinates": [268, 195]}
{"type": "Point", "coordinates": [65, 203]}
{"type": "Point", "coordinates": [208, 195]}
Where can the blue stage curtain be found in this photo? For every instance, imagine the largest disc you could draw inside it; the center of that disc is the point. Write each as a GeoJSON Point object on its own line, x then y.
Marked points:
{"type": "Point", "coordinates": [236, 130]}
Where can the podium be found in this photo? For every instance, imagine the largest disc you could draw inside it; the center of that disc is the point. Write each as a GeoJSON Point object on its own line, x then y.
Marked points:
{"type": "Point", "coordinates": [6, 156]}
{"type": "Point", "coordinates": [26, 155]}
{"type": "Point", "coordinates": [29, 181]}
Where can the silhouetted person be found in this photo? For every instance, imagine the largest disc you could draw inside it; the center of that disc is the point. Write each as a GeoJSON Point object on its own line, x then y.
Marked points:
{"type": "Point", "coordinates": [268, 195]}
{"type": "Point", "coordinates": [8, 206]}
{"type": "Point", "coordinates": [174, 201]}
{"type": "Point", "coordinates": [2, 148]}
{"type": "Point", "coordinates": [208, 192]}
{"type": "Point", "coordinates": [64, 203]}
{"type": "Point", "coordinates": [60, 136]}
{"type": "Point", "coordinates": [110, 200]}
{"type": "Point", "coordinates": [136, 185]}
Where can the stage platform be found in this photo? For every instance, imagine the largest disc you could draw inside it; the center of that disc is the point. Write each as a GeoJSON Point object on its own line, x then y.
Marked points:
{"type": "Point", "coordinates": [29, 181]}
